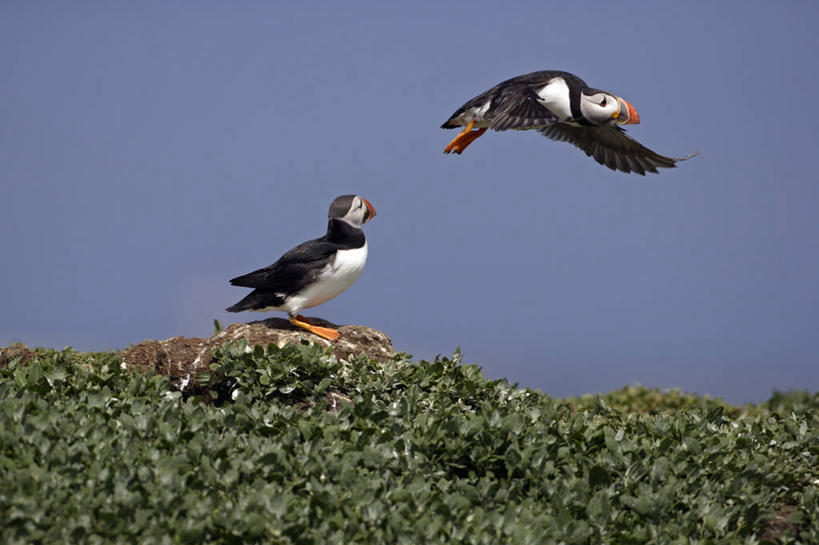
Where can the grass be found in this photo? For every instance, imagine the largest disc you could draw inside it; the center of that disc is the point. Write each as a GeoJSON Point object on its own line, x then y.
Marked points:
{"type": "Point", "coordinates": [292, 445]}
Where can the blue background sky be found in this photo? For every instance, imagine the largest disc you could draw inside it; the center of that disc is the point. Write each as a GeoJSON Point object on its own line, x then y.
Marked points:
{"type": "Point", "coordinates": [151, 151]}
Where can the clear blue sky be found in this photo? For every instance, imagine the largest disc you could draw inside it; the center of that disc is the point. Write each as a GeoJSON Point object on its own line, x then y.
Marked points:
{"type": "Point", "coordinates": [150, 151]}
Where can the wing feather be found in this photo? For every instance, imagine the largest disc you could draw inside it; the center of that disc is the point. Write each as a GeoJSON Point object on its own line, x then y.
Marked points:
{"type": "Point", "coordinates": [295, 269]}
{"type": "Point", "coordinates": [610, 146]}
{"type": "Point", "coordinates": [520, 109]}
{"type": "Point", "coordinates": [514, 103]}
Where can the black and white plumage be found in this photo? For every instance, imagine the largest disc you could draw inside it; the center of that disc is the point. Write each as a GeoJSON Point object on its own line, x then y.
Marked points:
{"type": "Point", "coordinates": [562, 107]}
{"type": "Point", "coordinates": [315, 271]}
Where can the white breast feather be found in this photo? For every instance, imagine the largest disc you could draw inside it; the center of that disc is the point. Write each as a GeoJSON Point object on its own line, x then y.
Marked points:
{"type": "Point", "coordinates": [337, 276]}
{"type": "Point", "coordinates": [555, 96]}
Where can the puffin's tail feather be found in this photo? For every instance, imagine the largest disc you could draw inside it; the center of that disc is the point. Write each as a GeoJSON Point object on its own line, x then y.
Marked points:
{"type": "Point", "coordinates": [451, 123]}
{"type": "Point", "coordinates": [257, 300]}
{"type": "Point", "coordinates": [238, 307]}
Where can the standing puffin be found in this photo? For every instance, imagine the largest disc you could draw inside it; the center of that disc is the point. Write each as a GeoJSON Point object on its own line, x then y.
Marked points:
{"type": "Point", "coordinates": [315, 271]}
{"type": "Point", "coordinates": [562, 107]}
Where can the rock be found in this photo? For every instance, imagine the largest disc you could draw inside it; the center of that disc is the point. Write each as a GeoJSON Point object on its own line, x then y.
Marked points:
{"type": "Point", "coordinates": [781, 524]}
{"type": "Point", "coordinates": [183, 358]}
{"type": "Point", "coordinates": [15, 350]}
{"type": "Point", "coordinates": [353, 339]}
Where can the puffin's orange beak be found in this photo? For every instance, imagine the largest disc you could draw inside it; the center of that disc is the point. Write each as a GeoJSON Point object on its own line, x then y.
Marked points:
{"type": "Point", "coordinates": [627, 114]}
{"type": "Point", "coordinates": [370, 210]}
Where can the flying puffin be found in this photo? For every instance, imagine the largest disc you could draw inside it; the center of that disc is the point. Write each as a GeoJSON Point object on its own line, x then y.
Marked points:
{"type": "Point", "coordinates": [562, 107]}
{"type": "Point", "coordinates": [315, 271]}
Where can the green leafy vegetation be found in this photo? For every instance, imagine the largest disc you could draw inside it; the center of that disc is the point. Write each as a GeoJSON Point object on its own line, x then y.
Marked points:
{"type": "Point", "coordinates": [292, 445]}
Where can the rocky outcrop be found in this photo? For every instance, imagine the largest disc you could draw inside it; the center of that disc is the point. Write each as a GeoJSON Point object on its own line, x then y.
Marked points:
{"type": "Point", "coordinates": [14, 351]}
{"type": "Point", "coordinates": [183, 358]}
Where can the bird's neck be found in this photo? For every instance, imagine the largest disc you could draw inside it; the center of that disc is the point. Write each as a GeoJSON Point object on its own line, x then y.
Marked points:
{"type": "Point", "coordinates": [341, 231]}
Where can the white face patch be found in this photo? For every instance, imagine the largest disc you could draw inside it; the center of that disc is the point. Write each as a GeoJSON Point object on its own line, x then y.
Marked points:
{"type": "Point", "coordinates": [599, 108]}
{"type": "Point", "coordinates": [355, 216]}
{"type": "Point", "coordinates": [555, 96]}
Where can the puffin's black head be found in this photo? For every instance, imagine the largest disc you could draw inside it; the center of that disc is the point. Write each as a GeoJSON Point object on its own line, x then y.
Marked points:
{"type": "Point", "coordinates": [352, 209]}
{"type": "Point", "coordinates": [600, 107]}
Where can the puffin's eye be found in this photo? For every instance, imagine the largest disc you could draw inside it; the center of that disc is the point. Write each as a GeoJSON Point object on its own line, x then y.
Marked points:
{"type": "Point", "coordinates": [603, 102]}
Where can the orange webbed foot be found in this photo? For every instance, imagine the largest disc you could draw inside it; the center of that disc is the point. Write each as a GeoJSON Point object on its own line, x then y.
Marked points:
{"type": "Point", "coordinates": [324, 332]}
{"type": "Point", "coordinates": [464, 138]}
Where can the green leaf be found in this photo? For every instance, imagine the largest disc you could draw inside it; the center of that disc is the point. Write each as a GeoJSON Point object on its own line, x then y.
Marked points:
{"type": "Point", "coordinates": [599, 508]}
{"type": "Point", "coordinates": [598, 476]}
{"type": "Point", "coordinates": [423, 452]}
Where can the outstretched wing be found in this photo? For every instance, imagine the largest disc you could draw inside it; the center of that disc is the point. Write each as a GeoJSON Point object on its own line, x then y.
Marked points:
{"type": "Point", "coordinates": [609, 145]}
{"type": "Point", "coordinates": [518, 108]}
{"type": "Point", "coordinates": [511, 104]}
